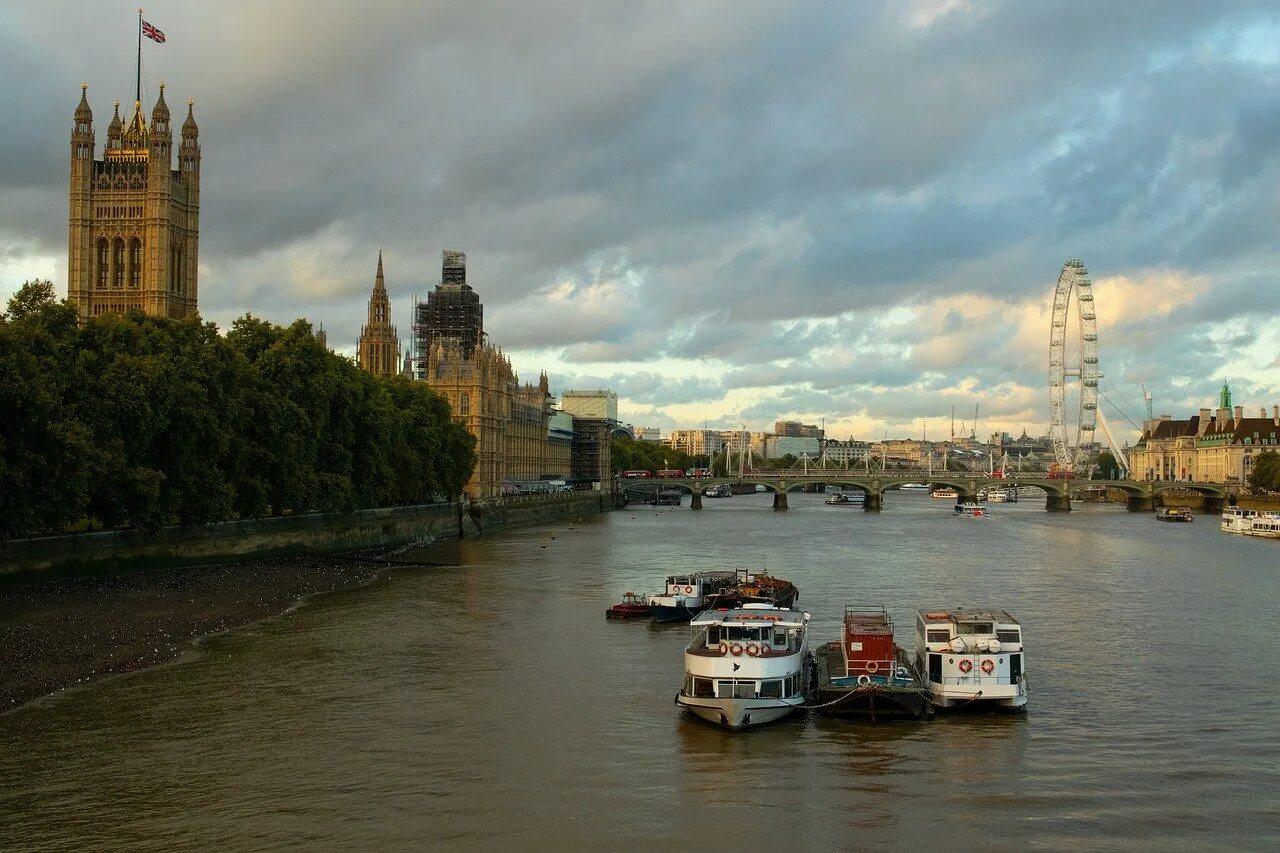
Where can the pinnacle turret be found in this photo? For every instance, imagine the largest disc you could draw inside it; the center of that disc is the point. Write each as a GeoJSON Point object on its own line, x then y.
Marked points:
{"type": "Point", "coordinates": [117, 124]}
{"type": "Point", "coordinates": [189, 128]}
{"type": "Point", "coordinates": [160, 112]}
{"type": "Point", "coordinates": [83, 111]}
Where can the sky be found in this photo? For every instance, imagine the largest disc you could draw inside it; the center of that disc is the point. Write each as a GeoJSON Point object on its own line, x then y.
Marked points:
{"type": "Point", "coordinates": [729, 212]}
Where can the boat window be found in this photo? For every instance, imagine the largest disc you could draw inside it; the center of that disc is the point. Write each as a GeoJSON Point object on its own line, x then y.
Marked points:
{"type": "Point", "coordinates": [935, 668]}
{"type": "Point", "coordinates": [973, 628]}
{"type": "Point", "coordinates": [1015, 668]}
{"type": "Point", "coordinates": [702, 688]}
{"type": "Point", "coordinates": [938, 636]}
{"type": "Point", "coordinates": [688, 684]}
{"type": "Point", "coordinates": [735, 632]}
{"type": "Point", "coordinates": [713, 636]}
{"type": "Point", "coordinates": [779, 638]}
{"type": "Point", "coordinates": [771, 689]}
{"type": "Point", "coordinates": [744, 690]}
{"type": "Point", "coordinates": [1009, 636]}
{"type": "Point", "coordinates": [920, 624]}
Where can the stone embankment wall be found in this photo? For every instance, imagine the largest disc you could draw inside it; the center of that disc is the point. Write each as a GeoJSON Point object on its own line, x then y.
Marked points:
{"type": "Point", "coordinates": [49, 557]}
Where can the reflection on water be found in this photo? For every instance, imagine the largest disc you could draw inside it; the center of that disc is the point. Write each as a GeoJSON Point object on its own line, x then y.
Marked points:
{"type": "Point", "coordinates": [494, 705]}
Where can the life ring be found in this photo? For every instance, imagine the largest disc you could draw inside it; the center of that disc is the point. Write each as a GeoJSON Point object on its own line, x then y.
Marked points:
{"type": "Point", "coordinates": [864, 680]}
{"type": "Point", "coordinates": [872, 666]}
{"type": "Point", "coordinates": [688, 589]}
{"type": "Point", "coordinates": [988, 665]}
{"type": "Point", "coordinates": [753, 649]}
{"type": "Point", "coordinates": [724, 647]}
{"type": "Point", "coordinates": [735, 649]}
{"type": "Point", "coordinates": [966, 665]}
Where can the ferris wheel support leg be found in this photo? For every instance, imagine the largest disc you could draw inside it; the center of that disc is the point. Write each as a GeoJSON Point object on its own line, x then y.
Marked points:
{"type": "Point", "coordinates": [1057, 503]}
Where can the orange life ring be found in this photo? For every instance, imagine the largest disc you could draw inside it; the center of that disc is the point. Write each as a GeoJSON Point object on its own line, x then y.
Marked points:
{"type": "Point", "coordinates": [753, 649]}
{"type": "Point", "coordinates": [735, 649]}
{"type": "Point", "coordinates": [688, 589]}
{"type": "Point", "coordinates": [966, 665]}
{"type": "Point", "coordinates": [988, 665]}
{"type": "Point", "coordinates": [872, 666]}
{"type": "Point", "coordinates": [724, 647]}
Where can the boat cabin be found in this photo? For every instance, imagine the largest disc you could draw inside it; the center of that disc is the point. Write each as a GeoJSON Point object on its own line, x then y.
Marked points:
{"type": "Point", "coordinates": [756, 651]}
{"type": "Point", "coordinates": [868, 642]}
{"type": "Point", "coordinates": [964, 647]}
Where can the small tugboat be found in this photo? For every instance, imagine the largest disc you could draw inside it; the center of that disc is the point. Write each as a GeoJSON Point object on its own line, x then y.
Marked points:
{"type": "Point", "coordinates": [947, 492]}
{"type": "Point", "coordinates": [719, 490]}
{"type": "Point", "coordinates": [632, 606]}
{"type": "Point", "coordinates": [686, 595]}
{"type": "Point", "coordinates": [1251, 522]}
{"type": "Point", "coordinates": [1174, 513]}
{"type": "Point", "coordinates": [846, 499]}
{"type": "Point", "coordinates": [754, 588]}
{"type": "Point", "coordinates": [971, 657]}
{"type": "Point", "coordinates": [972, 509]}
{"type": "Point", "coordinates": [866, 676]}
{"type": "Point", "coordinates": [745, 667]}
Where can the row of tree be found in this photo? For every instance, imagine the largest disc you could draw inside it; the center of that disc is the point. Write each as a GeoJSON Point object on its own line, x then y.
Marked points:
{"type": "Point", "coordinates": [139, 421]}
{"type": "Point", "coordinates": [1265, 475]}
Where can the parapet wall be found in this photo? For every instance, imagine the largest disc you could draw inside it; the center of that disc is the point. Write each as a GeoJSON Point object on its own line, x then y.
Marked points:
{"type": "Point", "coordinates": [50, 557]}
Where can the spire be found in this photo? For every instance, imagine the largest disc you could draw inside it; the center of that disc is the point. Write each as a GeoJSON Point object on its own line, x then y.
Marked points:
{"type": "Point", "coordinates": [117, 126]}
{"type": "Point", "coordinates": [378, 283]}
{"type": "Point", "coordinates": [83, 112]}
{"type": "Point", "coordinates": [160, 113]}
{"type": "Point", "coordinates": [189, 129]}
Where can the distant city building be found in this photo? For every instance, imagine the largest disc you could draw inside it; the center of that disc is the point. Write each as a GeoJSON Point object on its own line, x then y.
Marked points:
{"type": "Point", "coordinates": [732, 440]}
{"type": "Point", "coordinates": [697, 442]}
{"type": "Point", "coordinates": [795, 429]}
{"type": "Point", "coordinates": [600, 403]}
{"type": "Point", "coordinates": [452, 311]}
{"type": "Point", "coordinates": [135, 221]}
{"type": "Point", "coordinates": [846, 454]}
{"type": "Point", "coordinates": [910, 450]}
{"type": "Point", "coordinates": [778, 446]}
{"type": "Point", "coordinates": [378, 350]}
{"type": "Point", "coordinates": [1217, 447]}
{"type": "Point", "coordinates": [560, 440]}
{"type": "Point", "coordinates": [648, 434]}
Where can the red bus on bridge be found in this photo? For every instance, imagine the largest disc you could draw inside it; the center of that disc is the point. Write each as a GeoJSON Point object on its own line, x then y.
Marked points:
{"type": "Point", "coordinates": [636, 475]}
{"type": "Point", "coordinates": [670, 474]}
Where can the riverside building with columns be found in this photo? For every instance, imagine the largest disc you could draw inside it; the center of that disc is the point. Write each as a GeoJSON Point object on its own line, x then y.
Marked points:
{"type": "Point", "coordinates": [1209, 447]}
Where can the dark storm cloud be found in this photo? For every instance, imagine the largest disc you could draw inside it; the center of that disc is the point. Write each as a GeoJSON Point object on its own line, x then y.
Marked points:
{"type": "Point", "coordinates": [696, 181]}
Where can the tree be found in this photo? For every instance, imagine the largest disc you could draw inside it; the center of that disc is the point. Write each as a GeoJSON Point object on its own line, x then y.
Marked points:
{"type": "Point", "coordinates": [1265, 475]}
{"type": "Point", "coordinates": [1108, 468]}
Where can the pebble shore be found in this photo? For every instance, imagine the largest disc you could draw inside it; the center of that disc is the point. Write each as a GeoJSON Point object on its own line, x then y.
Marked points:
{"type": "Point", "coordinates": [65, 633]}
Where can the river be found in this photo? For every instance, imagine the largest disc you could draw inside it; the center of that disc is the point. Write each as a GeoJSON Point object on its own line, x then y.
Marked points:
{"type": "Point", "coordinates": [492, 705]}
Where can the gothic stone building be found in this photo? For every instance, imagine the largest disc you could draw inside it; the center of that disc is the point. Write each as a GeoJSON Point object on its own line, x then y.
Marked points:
{"type": "Point", "coordinates": [134, 219]}
{"type": "Point", "coordinates": [379, 347]}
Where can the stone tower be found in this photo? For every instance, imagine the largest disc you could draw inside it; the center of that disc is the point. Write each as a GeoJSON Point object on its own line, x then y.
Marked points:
{"type": "Point", "coordinates": [379, 348]}
{"type": "Point", "coordinates": [134, 221]}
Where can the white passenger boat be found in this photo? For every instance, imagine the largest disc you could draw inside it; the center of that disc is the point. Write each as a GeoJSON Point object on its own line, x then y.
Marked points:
{"type": "Point", "coordinates": [971, 657]}
{"type": "Point", "coordinates": [685, 595]}
{"type": "Point", "coordinates": [914, 487]}
{"type": "Point", "coordinates": [1251, 522]}
{"type": "Point", "coordinates": [968, 508]}
{"type": "Point", "coordinates": [1000, 495]}
{"type": "Point", "coordinates": [745, 667]}
{"type": "Point", "coordinates": [946, 492]}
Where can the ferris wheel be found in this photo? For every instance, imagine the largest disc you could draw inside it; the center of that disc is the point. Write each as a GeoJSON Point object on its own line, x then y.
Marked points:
{"type": "Point", "coordinates": [1073, 366]}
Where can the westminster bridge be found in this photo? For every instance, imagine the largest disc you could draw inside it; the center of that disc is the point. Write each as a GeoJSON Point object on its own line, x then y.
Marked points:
{"type": "Point", "coordinates": [1142, 494]}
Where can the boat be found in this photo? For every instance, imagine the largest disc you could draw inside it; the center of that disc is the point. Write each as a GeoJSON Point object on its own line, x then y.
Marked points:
{"type": "Point", "coordinates": [686, 595]}
{"type": "Point", "coordinates": [719, 490]}
{"type": "Point", "coordinates": [846, 499]}
{"type": "Point", "coordinates": [970, 657]}
{"type": "Point", "coordinates": [745, 666]}
{"type": "Point", "coordinates": [1174, 513]}
{"type": "Point", "coordinates": [969, 508]}
{"type": "Point", "coordinates": [666, 497]}
{"type": "Point", "coordinates": [1000, 495]}
{"type": "Point", "coordinates": [914, 487]}
{"type": "Point", "coordinates": [632, 606]}
{"type": "Point", "coordinates": [947, 492]}
{"type": "Point", "coordinates": [865, 675]}
{"type": "Point", "coordinates": [754, 588]}
{"type": "Point", "coordinates": [1251, 522]}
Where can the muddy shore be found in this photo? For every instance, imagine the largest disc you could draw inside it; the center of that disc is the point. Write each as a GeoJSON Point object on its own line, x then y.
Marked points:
{"type": "Point", "coordinates": [65, 633]}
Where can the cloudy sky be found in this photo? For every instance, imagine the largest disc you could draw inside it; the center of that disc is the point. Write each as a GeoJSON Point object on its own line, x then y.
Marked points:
{"type": "Point", "coordinates": [727, 211]}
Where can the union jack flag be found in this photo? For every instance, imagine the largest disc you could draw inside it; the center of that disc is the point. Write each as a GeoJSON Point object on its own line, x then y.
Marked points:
{"type": "Point", "coordinates": [152, 33]}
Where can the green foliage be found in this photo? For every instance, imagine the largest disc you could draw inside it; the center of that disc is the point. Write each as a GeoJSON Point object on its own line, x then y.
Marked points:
{"type": "Point", "coordinates": [1265, 476]}
{"type": "Point", "coordinates": [143, 421]}
{"type": "Point", "coordinates": [1108, 468]}
{"type": "Point", "coordinates": [628, 454]}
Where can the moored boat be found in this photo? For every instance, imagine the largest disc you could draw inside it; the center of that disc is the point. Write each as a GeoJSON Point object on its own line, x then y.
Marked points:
{"type": "Point", "coordinates": [971, 657]}
{"type": "Point", "coordinates": [1174, 513]}
{"type": "Point", "coordinates": [914, 487]}
{"type": "Point", "coordinates": [865, 675]}
{"type": "Point", "coordinates": [632, 606]}
{"type": "Point", "coordinates": [745, 666]}
{"type": "Point", "coordinates": [969, 508]}
{"type": "Point", "coordinates": [719, 490]}
{"type": "Point", "coordinates": [1000, 495]}
{"type": "Point", "coordinates": [754, 588]}
{"type": "Point", "coordinates": [686, 595]}
{"type": "Point", "coordinates": [1251, 522]}
{"type": "Point", "coordinates": [946, 492]}
{"type": "Point", "coordinates": [846, 499]}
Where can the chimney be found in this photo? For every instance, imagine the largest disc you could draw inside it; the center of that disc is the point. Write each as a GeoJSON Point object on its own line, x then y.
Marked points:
{"type": "Point", "coordinates": [1204, 422]}
{"type": "Point", "coordinates": [1239, 415]}
{"type": "Point", "coordinates": [1275, 415]}
{"type": "Point", "coordinates": [1224, 415]}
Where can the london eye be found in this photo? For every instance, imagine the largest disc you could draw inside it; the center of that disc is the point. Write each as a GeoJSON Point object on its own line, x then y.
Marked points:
{"type": "Point", "coordinates": [1073, 366]}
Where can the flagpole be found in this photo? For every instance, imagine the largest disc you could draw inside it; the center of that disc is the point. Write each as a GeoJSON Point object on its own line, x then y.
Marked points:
{"type": "Point", "coordinates": [138, 98]}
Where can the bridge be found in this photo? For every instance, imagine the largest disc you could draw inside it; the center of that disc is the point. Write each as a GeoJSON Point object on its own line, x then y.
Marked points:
{"type": "Point", "coordinates": [1142, 494]}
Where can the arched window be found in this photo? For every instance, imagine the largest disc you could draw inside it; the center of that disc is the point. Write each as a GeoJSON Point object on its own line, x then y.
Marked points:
{"type": "Point", "coordinates": [135, 262]}
{"type": "Point", "coordinates": [181, 267]}
{"type": "Point", "coordinates": [117, 263]}
{"type": "Point", "coordinates": [103, 261]}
